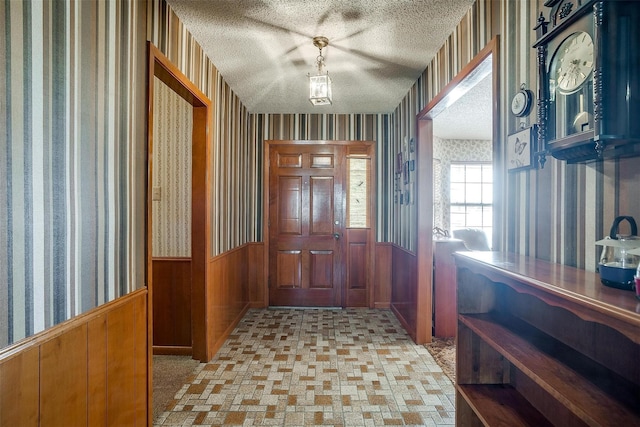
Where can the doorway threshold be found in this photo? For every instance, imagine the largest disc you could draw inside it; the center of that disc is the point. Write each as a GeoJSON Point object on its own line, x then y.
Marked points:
{"type": "Point", "coordinates": [291, 307]}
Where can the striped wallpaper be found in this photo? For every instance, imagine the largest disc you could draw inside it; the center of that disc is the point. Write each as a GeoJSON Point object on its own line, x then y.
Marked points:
{"type": "Point", "coordinates": [173, 127]}
{"type": "Point", "coordinates": [235, 192]}
{"type": "Point", "coordinates": [240, 135]}
{"type": "Point", "coordinates": [556, 213]}
{"type": "Point", "coordinates": [363, 127]}
{"type": "Point", "coordinates": [72, 159]}
{"type": "Point", "coordinates": [474, 32]}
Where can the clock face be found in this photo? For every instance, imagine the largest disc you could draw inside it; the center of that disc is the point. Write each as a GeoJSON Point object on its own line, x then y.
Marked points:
{"type": "Point", "coordinates": [573, 62]}
{"type": "Point", "coordinates": [521, 103]}
{"type": "Point", "coordinates": [518, 103]}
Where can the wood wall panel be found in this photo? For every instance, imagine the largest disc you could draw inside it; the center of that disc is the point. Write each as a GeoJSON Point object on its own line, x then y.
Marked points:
{"type": "Point", "coordinates": [141, 364]}
{"type": "Point", "coordinates": [404, 289]}
{"type": "Point", "coordinates": [91, 370]}
{"type": "Point", "coordinates": [256, 279]}
{"type": "Point", "coordinates": [120, 367]}
{"type": "Point", "coordinates": [228, 295]}
{"type": "Point", "coordinates": [97, 371]}
{"type": "Point", "coordinates": [172, 302]}
{"type": "Point", "coordinates": [444, 287]}
{"type": "Point", "coordinates": [64, 353]}
{"type": "Point", "coordinates": [382, 277]}
{"type": "Point", "coordinates": [19, 383]}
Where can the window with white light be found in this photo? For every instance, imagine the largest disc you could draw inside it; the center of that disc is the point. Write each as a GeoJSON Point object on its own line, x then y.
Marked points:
{"type": "Point", "coordinates": [471, 196]}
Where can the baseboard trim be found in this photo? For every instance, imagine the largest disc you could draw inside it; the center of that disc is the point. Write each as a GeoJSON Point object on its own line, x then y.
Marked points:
{"type": "Point", "coordinates": [173, 350]}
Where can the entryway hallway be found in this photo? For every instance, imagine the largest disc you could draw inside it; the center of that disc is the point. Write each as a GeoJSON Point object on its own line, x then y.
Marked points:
{"type": "Point", "coordinates": [302, 367]}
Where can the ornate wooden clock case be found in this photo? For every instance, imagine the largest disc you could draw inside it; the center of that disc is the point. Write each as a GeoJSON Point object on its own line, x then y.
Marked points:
{"type": "Point", "coordinates": [589, 80]}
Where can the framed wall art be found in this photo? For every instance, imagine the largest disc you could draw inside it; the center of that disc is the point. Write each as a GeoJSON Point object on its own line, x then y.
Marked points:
{"type": "Point", "coordinates": [519, 153]}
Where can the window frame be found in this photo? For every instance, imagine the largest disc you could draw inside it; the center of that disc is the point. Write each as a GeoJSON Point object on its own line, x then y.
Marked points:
{"type": "Point", "coordinates": [482, 205]}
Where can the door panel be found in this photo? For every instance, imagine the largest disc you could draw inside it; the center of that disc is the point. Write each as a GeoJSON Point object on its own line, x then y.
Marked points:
{"type": "Point", "coordinates": [290, 205]}
{"type": "Point", "coordinates": [321, 269]}
{"type": "Point", "coordinates": [290, 160]}
{"type": "Point", "coordinates": [306, 212]}
{"type": "Point", "coordinates": [289, 269]}
{"type": "Point", "coordinates": [322, 206]}
{"type": "Point", "coordinates": [321, 160]}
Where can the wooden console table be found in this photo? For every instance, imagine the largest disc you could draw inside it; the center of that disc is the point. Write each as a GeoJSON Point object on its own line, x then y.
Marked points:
{"type": "Point", "coordinates": [543, 344]}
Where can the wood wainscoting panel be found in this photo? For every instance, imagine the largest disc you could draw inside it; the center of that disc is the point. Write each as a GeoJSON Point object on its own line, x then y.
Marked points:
{"type": "Point", "coordinates": [97, 371]}
{"type": "Point", "coordinates": [19, 388]}
{"type": "Point", "coordinates": [256, 279]}
{"type": "Point", "coordinates": [382, 277]}
{"type": "Point", "coordinates": [88, 371]}
{"type": "Point", "coordinates": [141, 363]}
{"type": "Point", "coordinates": [120, 366]}
{"type": "Point", "coordinates": [172, 303]}
{"type": "Point", "coordinates": [405, 289]}
{"type": "Point", "coordinates": [228, 296]}
{"type": "Point", "coordinates": [64, 353]}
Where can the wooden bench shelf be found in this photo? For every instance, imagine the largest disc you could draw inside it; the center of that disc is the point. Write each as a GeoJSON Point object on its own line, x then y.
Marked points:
{"type": "Point", "coordinates": [532, 351]}
{"type": "Point", "coordinates": [582, 397]}
{"type": "Point", "coordinates": [499, 404]}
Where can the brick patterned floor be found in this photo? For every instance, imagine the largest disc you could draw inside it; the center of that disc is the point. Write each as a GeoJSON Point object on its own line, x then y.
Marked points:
{"type": "Point", "coordinates": [307, 367]}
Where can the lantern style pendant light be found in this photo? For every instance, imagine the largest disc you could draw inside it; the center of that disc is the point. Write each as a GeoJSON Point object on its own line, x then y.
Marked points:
{"type": "Point", "coordinates": [320, 83]}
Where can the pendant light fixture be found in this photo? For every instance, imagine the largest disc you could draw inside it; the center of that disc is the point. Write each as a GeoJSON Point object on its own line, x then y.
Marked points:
{"type": "Point", "coordinates": [320, 83]}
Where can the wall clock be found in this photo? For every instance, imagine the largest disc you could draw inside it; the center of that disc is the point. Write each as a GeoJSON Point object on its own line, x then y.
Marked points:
{"type": "Point", "coordinates": [588, 80]}
{"type": "Point", "coordinates": [573, 62]}
{"type": "Point", "coordinates": [521, 102]}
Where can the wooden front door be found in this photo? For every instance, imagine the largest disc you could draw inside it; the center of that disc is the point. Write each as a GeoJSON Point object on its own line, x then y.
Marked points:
{"type": "Point", "coordinates": [306, 216]}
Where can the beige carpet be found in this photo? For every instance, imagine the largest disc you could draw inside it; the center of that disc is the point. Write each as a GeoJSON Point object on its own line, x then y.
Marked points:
{"type": "Point", "coordinates": [443, 351]}
{"type": "Point", "coordinates": [170, 373]}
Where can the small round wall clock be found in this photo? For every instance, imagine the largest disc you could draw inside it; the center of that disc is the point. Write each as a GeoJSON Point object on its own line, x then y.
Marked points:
{"type": "Point", "coordinates": [521, 102]}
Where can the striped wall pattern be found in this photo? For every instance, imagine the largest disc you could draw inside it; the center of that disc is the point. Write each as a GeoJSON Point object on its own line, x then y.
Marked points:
{"type": "Point", "coordinates": [546, 211]}
{"type": "Point", "coordinates": [173, 128]}
{"type": "Point", "coordinates": [71, 159]}
{"type": "Point", "coordinates": [235, 209]}
{"type": "Point", "coordinates": [473, 33]}
{"type": "Point", "coordinates": [361, 127]}
{"type": "Point", "coordinates": [555, 213]}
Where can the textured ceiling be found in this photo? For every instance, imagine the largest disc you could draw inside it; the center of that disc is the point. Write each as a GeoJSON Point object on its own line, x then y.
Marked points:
{"type": "Point", "coordinates": [469, 117]}
{"type": "Point", "coordinates": [377, 48]}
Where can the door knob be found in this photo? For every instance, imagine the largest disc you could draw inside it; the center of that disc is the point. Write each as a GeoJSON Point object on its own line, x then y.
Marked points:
{"type": "Point", "coordinates": [336, 236]}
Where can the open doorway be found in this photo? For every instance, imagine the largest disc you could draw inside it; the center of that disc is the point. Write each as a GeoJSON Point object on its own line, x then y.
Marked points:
{"type": "Point", "coordinates": [485, 63]}
{"type": "Point", "coordinates": [463, 166]}
{"type": "Point", "coordinates": [178, 126]}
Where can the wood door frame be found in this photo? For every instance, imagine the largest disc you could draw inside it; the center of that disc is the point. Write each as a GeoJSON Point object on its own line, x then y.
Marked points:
{"type": "Point", "coordinates": [372, 210]}
{"type": "Point", "coordinates": [465, 79]}
{"type": "Point", "coordinates": [160, 66]}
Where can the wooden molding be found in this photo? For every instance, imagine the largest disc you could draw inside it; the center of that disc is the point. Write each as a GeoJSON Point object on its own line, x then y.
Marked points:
{"type": "Point", "coordinates": [174, 350]}
{"type": "Point", "coordinates": [161, 67]}
{"type": "Point", "coordinates": [424, 191]}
